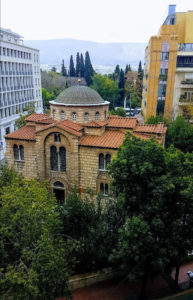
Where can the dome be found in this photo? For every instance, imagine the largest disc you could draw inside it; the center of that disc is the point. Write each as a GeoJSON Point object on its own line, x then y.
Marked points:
{"type": "Point", "coordinates": [79, 95]}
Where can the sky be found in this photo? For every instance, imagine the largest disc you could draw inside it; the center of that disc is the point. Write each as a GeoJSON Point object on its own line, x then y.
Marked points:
{"type": "Point", "coordinates": [91, 20]}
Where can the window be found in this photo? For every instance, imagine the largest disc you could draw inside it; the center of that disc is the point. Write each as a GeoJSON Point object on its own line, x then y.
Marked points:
{"type": "Point", "coordinates": [7, 130]}
{"type": "Point", "coordinates": [97, 116]}
{"type": "Point", "coordinates": [74, 116]}
{"type": "Point", "coordinates": [86, 117]}
{"type": "Point", "coordinates": [104, 189]}
{"type": "Point", "coordinates": [105, 114]}
{"type": "Point", "coordinates": [62, 115]}
{"type": "Point", "coordinates": [62, 154]}
{"type": "Point", "coordinates": [54, 114]}
{"type": "Point", "coordinates": [164, 55]}
{"type": "Point", "coordinates": [101, 161]}
{"type": "Point", "coordinates": [18, 152]}
{"type": "Point", "coordinates": [53, 158]}
{"type": "Point", "coordinates": [59, 192]}
{"type": "Point", "coordinates": [56, 137]}
{"type": "Point", "coordinates": [104, 161]}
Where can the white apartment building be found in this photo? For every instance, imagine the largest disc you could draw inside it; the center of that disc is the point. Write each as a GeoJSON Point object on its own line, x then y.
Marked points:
{"type": "Point", "coordinates": [20, 81]}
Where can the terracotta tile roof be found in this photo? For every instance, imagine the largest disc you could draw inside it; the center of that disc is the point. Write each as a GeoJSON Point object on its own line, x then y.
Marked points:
{"type": "Point", "coordinates": [121, 122]}
{"type": "Point", "coordinates": [38, 117]}
{"type": "Point", "coordinates": [96, 124]}
{"type": "Point", "coordinates": [142, 136]}
{"type": "Point", "coordinates": [26, 132]}
{"type": "Point", "coordinates": [70, 124]}
{"type": "Point", "coordinates": [109, 139]}
{"type": "Point", "coordinates": [61, 126]}
{"type": "Point", "coordinates": [159, 128]}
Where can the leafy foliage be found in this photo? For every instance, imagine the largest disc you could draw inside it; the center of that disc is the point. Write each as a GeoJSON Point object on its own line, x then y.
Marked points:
{"type": "Point", "coordinates": [28, 110]}
{"type": "Point", "coordinates": [119, 112]}
{"type": "Point", "coordinates": [156, 119]}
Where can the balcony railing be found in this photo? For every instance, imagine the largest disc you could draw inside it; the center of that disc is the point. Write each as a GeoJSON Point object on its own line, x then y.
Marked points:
{"type": "Point", "coordinates": [185, 47]}
{"type": "Point", "coordinates": [187, 81]}
{"type": "Point", "coordinates": [188, 99]}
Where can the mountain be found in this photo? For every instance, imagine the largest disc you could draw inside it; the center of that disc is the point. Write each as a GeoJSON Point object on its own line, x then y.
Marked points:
{"type": "Point", "coordinates": [103, 54]}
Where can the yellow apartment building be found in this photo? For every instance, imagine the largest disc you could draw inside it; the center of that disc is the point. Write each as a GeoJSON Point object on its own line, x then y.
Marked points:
{"type": "Point", "coordinates": [168, 68]}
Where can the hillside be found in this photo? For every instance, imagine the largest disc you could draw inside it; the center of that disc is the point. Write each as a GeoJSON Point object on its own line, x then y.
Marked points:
{"type": "Point", "coordinates": [105, 54]}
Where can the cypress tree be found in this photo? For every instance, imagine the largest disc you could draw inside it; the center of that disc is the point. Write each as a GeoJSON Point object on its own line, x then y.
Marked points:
{"type": "Point", "coordinates": [77, 65]}
{"type": "Point", "coordinates": [72, 69]}
{"type": "Point", "coordinates": [63, 69]}
{"type": "Point", "coordinates": [126, 69]}
{"type": "Point", "coordinates": [117, 70]}
{"type": "Point", "coordinates": [53, 69]}
{"type": "Point", "coordinates": [140, 71]}
{"type": "Point", "coordinates": [88, 71]}
{"type": "Point", "coordinates": [129, 69]}
{"type": "Point", "coordinates": [121, 85]}
{"type": "Point", "coordinates": [81, 66]}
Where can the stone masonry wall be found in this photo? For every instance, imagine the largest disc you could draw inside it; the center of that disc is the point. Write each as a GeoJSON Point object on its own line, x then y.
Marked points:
{"type": "Point", "coordinates": [80, 111]}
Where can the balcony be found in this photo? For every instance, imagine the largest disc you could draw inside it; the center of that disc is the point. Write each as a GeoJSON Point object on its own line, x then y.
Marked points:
{"type": "Point", "coordinates": [163, 77]}
{"type": "Point", "coordinates": [186, 99]}
{"type": "Point", "coordinates": [187, 84]}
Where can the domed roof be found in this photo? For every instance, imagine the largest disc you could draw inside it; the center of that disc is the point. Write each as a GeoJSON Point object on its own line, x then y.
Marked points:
{"type": "Point", "coordinates": [79, 95]}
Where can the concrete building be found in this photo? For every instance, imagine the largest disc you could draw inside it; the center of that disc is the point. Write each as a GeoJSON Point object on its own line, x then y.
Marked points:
{"type": "Point", "coordinates": [20, 81]}
{"type": "Point", "coordinates": [74, 144]}
{"type": "Point", "coordinates": [168, 68]}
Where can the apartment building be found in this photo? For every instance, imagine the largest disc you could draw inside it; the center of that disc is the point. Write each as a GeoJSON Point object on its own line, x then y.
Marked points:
{"type": "Point", "coordinates": [20, 81]}
{"type": "Point", "coordinates": [168, 68]}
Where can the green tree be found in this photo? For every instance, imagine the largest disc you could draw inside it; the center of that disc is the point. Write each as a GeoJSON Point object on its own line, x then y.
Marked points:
{"type": "Point", "coordinates": [63, 69]}
{"type": "Point", "coordinates": [106, 87]}
{"type": "Point", "coordinates": [119, 112]}
{"type": "Point", "coordinates": [72, 72]}
{"type": "Point", "coordinates": [78, 65]}
{"type": "Point", "coordinates": [46, 97]}
{"type": "Point", "coordinates": [126, 69]}
{"type": "Point", "coordinates": [147, 180]}
{"type": "Point", "coordinates": [121, 85]}
{"type": "Point", "coordinates": [180, 134]}
{"type": "Point", "coordinates": [129, 69]}
{"type": "Point", "coordinates": [28, 110]}
{"type": "Point", "coordinates": [156, 119]}
{"type": "Point", "coordinates": [81, 65]}
{"type": "Point", "coordinates": [88, 69]}
{"type": "Point", "coordinates": [32, 251]}
{"type": "Point", "coordinates": [53, 69]}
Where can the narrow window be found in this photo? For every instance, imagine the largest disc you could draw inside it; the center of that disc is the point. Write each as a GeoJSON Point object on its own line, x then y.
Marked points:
{"type": "Point", "coordinates": [105, 114]}
{"type": "Point", "coordinates": [102, 188]}
{"type": "Point", "coordinates": [53, 158]}
{"type": "Point", "coordinates": [56, 137]}
{"type": "Point", "coordinates": [54, 114]}
{"type": "Point", "coordinates": [97, 116]}
{"type": "Point", "coordinates": [21, 152]}
{"type": "Point", "coordinates": [16, 152]}
{"type": "Point", "coordinates": [62, 115]}
{"type": "Point", "coordinates": [59, 192]}
{"type": "Point", "coordinates": [106, 191]}
{"type": "Point", "coordinates": [74, 116]}
{"type": "Point", "coordinates": [86, 117]}
{"type": "Point", "coordinates": [107, 160]}
{"type": "Point", "coordinates": [62, 159]}
{"type": "Point", "coordinates": [101, 161]}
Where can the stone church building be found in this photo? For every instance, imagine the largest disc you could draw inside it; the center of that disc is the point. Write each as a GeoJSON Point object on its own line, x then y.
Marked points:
{"type": "Point", "coordinates": [74, 145]}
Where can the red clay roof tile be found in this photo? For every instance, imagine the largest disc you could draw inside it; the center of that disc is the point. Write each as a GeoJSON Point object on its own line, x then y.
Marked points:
{"type": "Point", "coordinates": [120, 122]}
{"type": "Point", "coordinates": [26, 132]}
{"type": "Point", "coordinates": [159, 128]}
{"type": "Point", "coordinates": [109, 139]}
{"type": "Point", "coordinates": [38, 117]}
{"type": "Point", "coordinates": [70, 124]}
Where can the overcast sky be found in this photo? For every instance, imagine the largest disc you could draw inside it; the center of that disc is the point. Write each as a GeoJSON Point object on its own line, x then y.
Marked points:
{"type": "Point", "coordinates": [93, 20]}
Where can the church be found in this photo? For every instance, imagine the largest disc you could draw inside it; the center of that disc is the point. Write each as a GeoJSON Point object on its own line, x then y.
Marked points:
{"type": "Point", "coordinates": [74, 144]}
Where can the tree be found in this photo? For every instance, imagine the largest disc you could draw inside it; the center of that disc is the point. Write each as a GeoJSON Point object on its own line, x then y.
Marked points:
{"type": "Point", "coordinates": [78, 65]}
{"type": "Point", "coordinates": [126, 69]}
{"type": "Point", "coordinates": [129, 69]}
{"type": "Point", "coordinates": [156, 119]}
{"type": "Point", "coordinates": [81, 66]}
{"type": "Point", "coordinates": [71, 68]}
{"type": "Point", "coordinates": [63, 69]}
{"type": "Point", "coordinates": [180, 134]}
{"type": "Point", "coordinates": [88, 69]}
{"type": "Point", "coordinates": [140, 71]}
{"type": "Point", "coordinates": [53, 69]}
{"type": "Point", "coordinates": [106, 87]}
{"type": "Point", "coordinates": [155, 186]}
{"type": "Point", "coordinates": [121, 85]}
{"type": "Point", "coordinates": [28, 110]}
{"type": "Point", "coordinates": [33, 253]}
{"type": "Point", "coordinates": [117, 72]}
{"type": "Point", "coordinates": [119, 112]}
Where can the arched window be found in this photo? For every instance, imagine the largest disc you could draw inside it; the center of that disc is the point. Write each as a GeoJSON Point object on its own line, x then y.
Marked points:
{"type": "Point", "coordinates": [59, 192]}
{"type": "Point", "coordinates": [105, 114]}
{"type": "Point", "coordinates": [74, 116]}
{"type": "Point", "coordinates": [62, 115]}
{"type": "Point", "coordinates": [53, 158]}
{"type": "Point", "coordinates": [16, 152]}
{"type": "Point", "coordinates": [102, 188]}
{"type": "Point", "coordinates": [106, 191]}
{"type": "Point", "coordinates": [97, 116]}
{"type": "Point", "coordinates": [54, 114]}
{"type": "Point", "coordinates": [21, 152]}
{"type": "Point", "coordinates": [62, 154]}
{"type": "Point", "coordinates": [86, 117]}
{"type": "Point", "coordinates": [107, 160]}
{"type": "Point", "coordinates": [101, 161]}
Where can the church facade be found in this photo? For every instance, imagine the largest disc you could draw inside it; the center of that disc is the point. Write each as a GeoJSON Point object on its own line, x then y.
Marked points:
{"type": "Point", "coordinates": [74, 144]}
